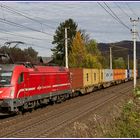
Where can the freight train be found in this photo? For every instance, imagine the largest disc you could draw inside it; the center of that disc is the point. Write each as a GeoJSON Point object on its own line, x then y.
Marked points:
{"type": "Point", "coordinates": [25, 86]}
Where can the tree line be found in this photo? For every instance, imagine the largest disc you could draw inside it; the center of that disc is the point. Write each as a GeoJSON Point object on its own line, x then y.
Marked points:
{"type": "Point", "coordinates": [82, 51]}
{"type": "Point", "coordinates": [19, 55]}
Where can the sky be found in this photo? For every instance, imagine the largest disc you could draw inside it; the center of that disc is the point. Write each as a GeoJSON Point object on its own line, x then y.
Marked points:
{"type": "Point", "coordinates": [90, 16]}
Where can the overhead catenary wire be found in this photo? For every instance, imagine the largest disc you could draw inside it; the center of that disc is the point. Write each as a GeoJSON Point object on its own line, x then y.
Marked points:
{"type": "Point", "coordinates": [122, 49]}
{"type": "Point", "coordinates": [38, 46]}
{"type": "Point", "coordinates": [27, 43]}
{"type": "Point", "coordinates": [4, 20]}
{"type": "Point", "coordinates": [118, 19]}
{"type": "Point", "coordinates": [113, 51]}
{"type": "Point", "coordinates": [14, 11]}
{"type": "Point", "coordinates": [3, 31]}
{"type": "Point", "coordinates": [122, 9]}
{"type": "Point", "coordinates": [131, 10]}
{"type": "Point", "coordinates": [111, 14]}
{"type": "Point", "coordinates": [22, 26]}
{"type": "Point", "coordinates": [116, 46]}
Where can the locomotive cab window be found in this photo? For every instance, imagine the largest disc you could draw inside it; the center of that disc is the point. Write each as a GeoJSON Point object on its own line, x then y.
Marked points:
{"type": "Point", "coordinates": [21, 78]}
{"type": "Point", "coordinates": [5, 78]}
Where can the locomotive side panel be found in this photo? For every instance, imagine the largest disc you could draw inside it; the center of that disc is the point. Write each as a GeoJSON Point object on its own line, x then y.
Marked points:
{"type": "Point", "coordinates": [44, 83]}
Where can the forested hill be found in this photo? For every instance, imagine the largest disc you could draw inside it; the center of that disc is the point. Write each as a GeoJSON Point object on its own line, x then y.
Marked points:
{"type": "Point", "coordinates": [117, 51]}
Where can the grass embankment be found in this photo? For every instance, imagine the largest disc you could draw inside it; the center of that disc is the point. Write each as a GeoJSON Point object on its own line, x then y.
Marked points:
{"type": "Point", "coordinates": [127, 125]}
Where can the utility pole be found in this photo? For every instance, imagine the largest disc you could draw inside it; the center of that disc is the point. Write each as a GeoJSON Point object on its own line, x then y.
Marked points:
{"type": "Point", "coordinates": [110, 57]}
{"type": "Point", "coordinates": [66, 49]}
{"type": "Point", "coordinates": [128, 62]}
{"type": "Point", "coordinates": [134, 51]}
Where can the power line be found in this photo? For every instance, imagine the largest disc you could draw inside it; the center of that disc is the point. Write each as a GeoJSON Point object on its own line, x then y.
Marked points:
{"type": "Point", "coordinates": [22, 26]}
{"type": "Point", "coordinates": [114, 51]}
{"type": "Point", "coordinates": [116, 46]}
{"type": "Point", "coordinates": [21, 35]}
{"type": "Point", "coordinates": [131, 9]}
{"type": "Point", "coordinates": [107, 11]}
{"type": "Point", "coordinates": [38, 46]}
{"type": "Point", "coordinates": [112, 15]}
{"type": "Point", "coordinates": [27, 43]}
{"type": "Point", "coordinates": [117, 17]}
{"type": "Point", "coordinates": [122, 9]}
{"type": "Point", "coordinates": [122, 49]}
{"type": "Point", "coordinates": [14, 11]}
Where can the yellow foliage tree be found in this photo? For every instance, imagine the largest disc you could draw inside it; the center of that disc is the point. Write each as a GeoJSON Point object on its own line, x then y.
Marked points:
{"type": "Point", "coordinates": [77, 56]}
{"type": "Point", "coordinates": [84, 55]}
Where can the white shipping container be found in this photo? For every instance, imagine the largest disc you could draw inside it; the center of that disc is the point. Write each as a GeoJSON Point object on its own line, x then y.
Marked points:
{"type": "Point", "coordinates": [108, 75]}
{"type": "Point", "coordinates": [130, 73]}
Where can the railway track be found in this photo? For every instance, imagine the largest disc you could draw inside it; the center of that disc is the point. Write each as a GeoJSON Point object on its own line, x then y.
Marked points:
{"type": "Point", "coordinates": [13, 119]}
{"type": "Point", "coordinates": [48, 121]}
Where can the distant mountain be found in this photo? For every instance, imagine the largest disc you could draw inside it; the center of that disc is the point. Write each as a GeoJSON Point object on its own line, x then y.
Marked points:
{"type": "Point", "coordinates": [120, 49]}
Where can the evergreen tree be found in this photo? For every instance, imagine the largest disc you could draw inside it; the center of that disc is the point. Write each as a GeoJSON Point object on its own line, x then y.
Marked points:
{"type": "Point", "coordinates": [59, 40]}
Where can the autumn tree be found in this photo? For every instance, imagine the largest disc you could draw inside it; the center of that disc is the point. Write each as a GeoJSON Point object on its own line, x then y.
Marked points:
{"type": "Point", "coordinates": [77, 55]}
{"type": "Point", "coordinates": [59, 40]}
{"type": "Point", "coordinates": [84, 53]}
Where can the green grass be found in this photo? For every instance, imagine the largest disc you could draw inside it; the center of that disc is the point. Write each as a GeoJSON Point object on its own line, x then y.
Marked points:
{"type": "Point", "coordinates": [128, 124]}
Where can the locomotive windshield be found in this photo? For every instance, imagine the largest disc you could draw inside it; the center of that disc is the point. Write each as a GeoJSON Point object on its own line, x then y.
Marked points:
{"type": "Point", "coordinates": [5, 78]}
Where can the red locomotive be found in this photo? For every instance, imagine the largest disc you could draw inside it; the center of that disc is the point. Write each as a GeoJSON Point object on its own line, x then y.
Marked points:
{"type": "Point", "coordinates": [26, 86]}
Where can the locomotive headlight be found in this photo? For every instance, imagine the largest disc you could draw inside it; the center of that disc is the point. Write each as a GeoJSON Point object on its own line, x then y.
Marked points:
{"type": "Point", "coordinates": [12, 92]}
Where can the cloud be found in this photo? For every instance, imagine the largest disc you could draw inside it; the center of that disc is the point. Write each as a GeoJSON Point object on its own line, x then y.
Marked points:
{"type": "Point", "coordinates": [88, 15]}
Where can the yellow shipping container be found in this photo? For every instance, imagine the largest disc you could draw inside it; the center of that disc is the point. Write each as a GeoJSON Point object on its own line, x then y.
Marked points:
{"type": "Point", "coordinates": [101, 75]}
{"type": "Point", "coordinates": [87, 77]}
{"type": "Point", "coordinates": [95, 76]}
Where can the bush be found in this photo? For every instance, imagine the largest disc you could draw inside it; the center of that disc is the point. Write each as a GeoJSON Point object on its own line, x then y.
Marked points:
{"type": "Point", "coordinates": [128, 124]}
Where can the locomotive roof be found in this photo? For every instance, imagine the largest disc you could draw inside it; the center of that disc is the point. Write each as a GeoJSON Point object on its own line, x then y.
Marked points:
{"type": "Point", "coordinates": [10, 67]}
{"type": "Point", "coordinates": [51, 69]}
